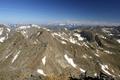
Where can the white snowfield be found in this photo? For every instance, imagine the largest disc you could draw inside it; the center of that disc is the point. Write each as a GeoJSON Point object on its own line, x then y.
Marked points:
{"type": "Point", "coordinates": [44, 60]}
{"type": "Point", "coordinates": [40, 71]}
{"type": "Point", "coordinates": [70, 61]}
{"type": "Point", "coordinates": [78, 36]}
{"type": "Point", "coordinates": [72, 40]}
{"type": "Point", "coordinates": [15, 57]}
{"type": "Point", "coordinates": [2, 39]}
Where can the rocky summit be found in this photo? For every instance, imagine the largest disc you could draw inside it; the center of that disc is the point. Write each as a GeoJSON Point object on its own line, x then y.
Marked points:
{"type": "Point", "coordinates": [33, 52]}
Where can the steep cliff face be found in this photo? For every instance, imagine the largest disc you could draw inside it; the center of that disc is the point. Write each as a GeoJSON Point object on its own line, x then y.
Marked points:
{"type": "Point", "coordinates": [28, 51]}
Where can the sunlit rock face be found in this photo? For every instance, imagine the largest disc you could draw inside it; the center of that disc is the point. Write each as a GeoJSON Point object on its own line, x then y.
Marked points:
{"type": "Point", "coordinates": [33, 51]}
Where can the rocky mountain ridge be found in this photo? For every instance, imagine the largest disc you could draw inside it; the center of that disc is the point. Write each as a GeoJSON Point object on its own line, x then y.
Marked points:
{"type": "Point", "coordinates": [34, 50]}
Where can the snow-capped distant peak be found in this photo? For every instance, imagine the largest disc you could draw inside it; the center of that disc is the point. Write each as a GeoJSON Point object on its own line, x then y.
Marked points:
{"type": "Point", "coordinates": [24, 27]}
{"type": "Point", "coordinates": [34, 25]}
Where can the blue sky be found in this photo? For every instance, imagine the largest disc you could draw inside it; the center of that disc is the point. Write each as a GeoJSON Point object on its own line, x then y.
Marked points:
{"type": "Point", "coordinates": [43, 11]}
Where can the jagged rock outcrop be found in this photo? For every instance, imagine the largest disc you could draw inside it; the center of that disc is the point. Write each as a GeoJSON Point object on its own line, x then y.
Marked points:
{"type": "Point", "coordinates": [88, 35]}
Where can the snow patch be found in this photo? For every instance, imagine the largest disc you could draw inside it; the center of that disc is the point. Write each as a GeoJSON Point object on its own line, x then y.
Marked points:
{"type": "Point", "coordinates": [38, 33]}
{"type": "Point", "coordinates": [82, 70]}
{"type": "Point", "coordinates": [44, 60]}
{"type": "Point", "coordinates": [70, 61]}
{"type": "Point", "coordinates": [7, 56]}
{"type": "Point", "coordinates": [78, 36]}
{"type": "Point", "coordinates": [90, 57]}
{"type": "Point", "coordinates": [105, 69]}
{"type": "Point", "coordinates": [85, 44]}
{"type": "Point", "coordinates": [40, 71]}
{"type": "Point", "coordinates": [108, 52]}
{"type": "Point", "coordinates": [119, 75]}
{"type": "Point", "coordinates": [65, 29]}
{"type": "Point", "coordinates": [63, 42]}
{"type": "Point", "coordinates": [2, 39]}
{"type": "Point", "coordinates": [113, 71]}
{"type": "Point", "coordinates": [103, 37]}
{"type": "Point", "coordinates": [35, 42]}
{"type": "Point", "coordinates": [61, 35]}
{"type": "Point", "coordinates": [24, 33]}
{"type": "Point", "coordinates": [8, 29]}
{"type": "Point", "coordinates": [97, 55]}
{"type": "Point", "coordinates": [95, 74]}
{"type": "Point", "coordinates": [110, 34]}
{"type": "Point", "coordinates": [46, 29]}
{"type": "Point", "coordinates": [7, 36]}
{"type": "Point", "coordinates": [15, 57]}
{"type": "Point", "coordinates": [97, 51]}
{"type": "Point", "coordinates": [84, 56]}
{"type": "Point", "coordinates": [118, 40]}
{"type": "Point", "coordinates": [1, 31]}
{"type": "Point", "coordinates": [72, 40]}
